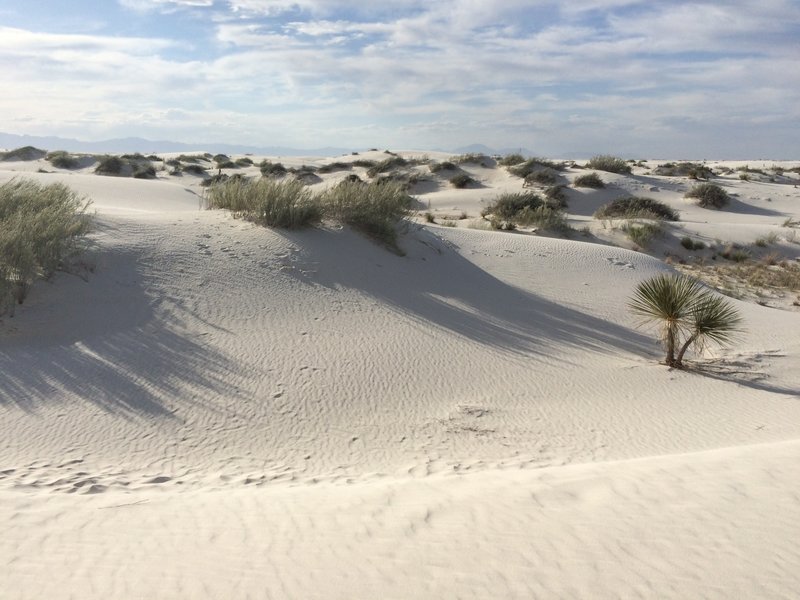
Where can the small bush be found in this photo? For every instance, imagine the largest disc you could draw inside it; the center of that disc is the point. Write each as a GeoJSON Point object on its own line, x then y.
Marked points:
{"type": "Point", "coordinates": [227, 164]}
{"type": "Point", "coordinates": [374, 209]}
{"type": "Point", "coordinates": [41, 227]}
{"type": "Point", "coordinates": [387, 165]}
{"type": "Point", "coordinates": [472, 157]}
{"type": "Point", "coordinates": [144, 172]}
{"type": "Point", "coordinates": [534, 164]}
{"type": "Point", "coordinates": [287, 204]}
{"type": "Point", "coordinates": [192, 158]}
{"type": "Point", "coordinates": [541, 177]}
{"type": "Point", "coordinates": [506, 206]}
{"type": "Point", "coordinates": [62, 160]}
{"type": "Point", "coordinates": [611, 164]}
{"type": "Point", "coordinates": [110, 165]}
{"type": "Point", "coordinates": [442, 166]}
{"type": "Point", "coordinates": [691, 244]}
{"type": "Point", "coordinates": [270, 169]}
{"type": "Point", "coordinates": [364, 163]}
{"type": "Point", "coordinates": [220, 158]}
{"type": "Point", "coordinates": [429, 218]}
{"type": "Point", "coordinates": [641, 234]}
{"type": "Point", "coordinates": [26, 153]}
{"type": "Point", "coordinates": [462, 180]}
{"type": "Point", "coordinates": [709, 195]}
{"type": "Point", "coordinates": [735, 253]}
{"type": "Point", "coordinates": [543, 217]}
{"type": "Point", "coordinates": [633, 207]}
{"type": "Point", "coordinates": [556, 196]}
{"type": "Point", "coordinates": [684, 169]}
{"type": "Point", "coordinates": [335, 166]}
{"type": "Point", "coordinates": [244, 162]}
{"type": "Point", "coordinates": [194, 169]}
{"type": "Point", "coordinates": [589, 180]}
{"type": "Point", "coordinates": [509, 160]}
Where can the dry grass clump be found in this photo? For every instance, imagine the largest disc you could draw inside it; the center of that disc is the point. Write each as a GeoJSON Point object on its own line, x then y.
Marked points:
{"type": "Point", "coordinates": [709, 195]}
{"type": "Point", "coordinates": [287, 204]}
{"type": "Point", "coordinates": [245, 161]}
{"type": "Point", "coordinates": [525, 209]}
{"type": "Point", "coordinates": [642, 234]}
{"type": "Point", "coordinates": [527, 167]}
{"type": "Point", "coordinates": [364, 163]}
{"type": "Point", "coordinates": [462, 180]}
{"type": "Point", "coordinates": [611, 164]}
{"type": "Point", "coordinates": [110, 165]}
{"type": "Point", "coordinates": [192, 158]}
{"type": "Point", "coordinates": [473, 158]}
{"type": "Point", "coordinates": [374, 209]}
{"type": "Point", "coordinates": [62, 159]}
{"type": "Point", "coordinates": [270, 169]}
{"type": "Point", "coordinates": [541, 177]}
{"type": "Point", "coordinates": [41, 228]}
{"type": "Point", "coordinates": [387, 165]}
{"type": "Point", "coordinates": [509, 160]}
{"type": "Point", "coordinates": [556, 196]}
{"type": "Point", "coordinates": [335, 166]}
{"type": "Point", "coordinates": [634, 207]}
{"type": "Point", "coordinates": [445, 165]}
{"type": "Point", "coordinates": [589, 180]}
{"type": "Point", "coordinates": [26, 153]}
{"type": "Point", "coordinates": [684, 169]}
{"type": "Point", "coordinates": [194, 169]}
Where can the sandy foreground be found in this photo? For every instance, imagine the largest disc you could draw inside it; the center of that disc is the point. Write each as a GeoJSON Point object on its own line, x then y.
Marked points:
{"type": "Point", "coordinates": [228, 411]}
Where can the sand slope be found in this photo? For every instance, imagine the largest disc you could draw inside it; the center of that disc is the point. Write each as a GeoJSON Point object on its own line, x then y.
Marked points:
{"type": "Point", "coordinates": [229, 411]}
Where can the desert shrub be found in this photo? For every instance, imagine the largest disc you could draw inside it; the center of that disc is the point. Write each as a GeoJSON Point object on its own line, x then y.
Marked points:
{"type": "Point", "coordinates": [691, 244]}
{"type": "Point", "coordinates": [374, 209]}
{"type": "Point", "coordinates": [364, 163]}
{"type": "Point", "coordinates": [220, 158]}
{"type": "Point", "coordinates": [735, 253]}
{"type": "Point", "coordinates": [41, 228]}
{"type": "Point", "coordinates": [471, 157]}
{"type": "Point", "coordinates": [193, 158]}
{"type": "Point", "coordinates": [245, 161]}
{"type": "Point", "coordinates": [611, 164]}
{"type": "Point", "coordinates": [306, 174]}
{"type": "Point", "coordinates": [541, 177]}
{"type": "Point", "coordinates": [506, 206]}
{"type": "Point", "coordinates": [642, 234]}
{"type": "Point", "coordinates": [709, 195]}
{"type": "Point", "coordinates": [429, 218]}
{"type": "Point", "coordinates": [633, 207]}
{"type": "Point", "coordinates": [556, 196]}
{"type": "Point", "coordinates": [589, 180]}
{"type": "Point", "coordinates": [335, 166]}
{"type": "Point", "coordinates": [194, 169]}
{"type": "Point", "coordinates": [685, 313]}
{"type": "Point", "coordinates": [543, 217]}
{"type": "Point", "coordinates": [462, 180]}
{"type": "Point", "coordinates": [173, 162]}
{"type": "Point", "coordinates": [684, 169]}
{"type": "Point", "coordinates": [442, 166]}
{"type": "Point", "coordinates": [352, 177]}
{"type": "Point", "coordinates": [387, 165]}
{"type": "Point", "coordinates": [62, 159]}
{"type": "Point", "coordinates": [527, 167]}
{"type": "Point", "coordinates": [748, 169]}
{"type": "Point", "coordinates": [136, 156]}
{"type": "Point", "coordinates": [509, 160]}
{"type": "Point", "coordinates": [227, 164]}
{"type": "Point", "coordinates": [270, 169]}
{"type": "Point", "coordinates": [144, 171]}
{"type": "Point", "coordinates": [25, 153]}
{"type": "Point", "coordinates": [287, 204]}
{"type": "Point", "coordinates": [110, 165]}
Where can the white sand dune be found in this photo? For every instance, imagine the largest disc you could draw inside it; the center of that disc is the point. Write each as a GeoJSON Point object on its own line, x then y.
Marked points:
{"type": "Point", "coordinates": [224, 410]}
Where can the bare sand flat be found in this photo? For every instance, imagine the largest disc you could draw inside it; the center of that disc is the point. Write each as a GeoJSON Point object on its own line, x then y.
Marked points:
{"type": "Point", "coordinates": [223, 410]}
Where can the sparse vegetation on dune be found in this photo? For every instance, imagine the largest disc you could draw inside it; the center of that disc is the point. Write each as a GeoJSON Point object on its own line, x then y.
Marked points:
{"type": "Point", "coordinates": [41, 228]}
{"type": "Point", "coordinates": [62, 159]}
{"type": "Point", "coordinates": [684, 169]}
{"type": "Point", "coordinates": [589, 180]}
{"type": "Point", "coordinates": [287, 204]}
{"type": "Point", "coordinates": [709, 195]}
{"type": "Point", "coordinates": [526, 168]}
{"type": "Point", "coordinates": [335, 166]}
{"type": "Point", "coordinates": [462, 180]}
{"type": "Point", "coordinates": [611, 164]}
{"type": "Point", "coordinates": [270, 169]}
{"type": "Point", "coordinates": [443, 166]}
{"type": "Point", "coordinates": [509, 160]}
{"type": "Point", "coordinates": [472, 158]}
{"type": "Point", "coordinates": [526, 209]}
{"type": "Point", "coordinates": [25, 153]}
{"type": "Point", "coordinates": [642, 234]}
{"type": "Point", "coordinates": [110, 165]}
{"type": "Point", "coordinates": [633, 207]}
{"type": "Point", "coordinates": [387, 165]}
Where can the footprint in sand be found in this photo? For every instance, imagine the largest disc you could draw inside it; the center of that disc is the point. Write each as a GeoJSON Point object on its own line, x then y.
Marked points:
{"type": "Point", "coordinates": [620, 263]}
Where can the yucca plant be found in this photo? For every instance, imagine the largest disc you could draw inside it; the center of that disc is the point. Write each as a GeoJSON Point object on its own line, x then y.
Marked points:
{"type": "Point", "coordinates": [687, 314]}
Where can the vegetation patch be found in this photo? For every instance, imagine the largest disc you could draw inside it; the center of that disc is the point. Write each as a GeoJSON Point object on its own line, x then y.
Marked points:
{"type": "Point", "coordinates": [443, 166]}
{"type": "Point", "coordinates": [509, 160]}
{"type": "Point", "coordinates": [110, 165]}
{"type": "Point", "coordinates": [41, 229]}
{"type": "Point", "coordinates": [335, 166]}
{"type": "Point", "coordinates": [462, 180]}
{"type": "Point", "coordinates": [611, 164]}
{"type": "Point", "coordinates": [527, 167]}
{"type": "Point", "coordinates": [26, 153]}
{"type": "Point", "coordinates": [62, 160]}
{"type": "Point", "coordinates": [709, 195]}
{"type": "Point", "coordinates": [270, 169]}
{"type": "Point", "coordinates": [194, 169]}
{"type": "Point", "coordinates": [634, 207]}
{"type": "Point", "coordinates": [684, 169]}
{"type": "Point", "coordinates": [589, 180]}
{"type": "Point", "coordinates": [473, 158]}
{"type": "Point", "coordinates": [642, 234]}
{"type": "Point", "coordinates": [287, 204]}
{"type": "Point", "coordinates": [541, 177]}
{"type": "Point", "coordinates": [387, 165]}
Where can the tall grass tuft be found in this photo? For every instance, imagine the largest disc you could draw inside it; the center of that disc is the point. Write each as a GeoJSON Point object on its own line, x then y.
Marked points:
{"type": "Point", "coordinates": [709, 195]}
{"type": "Point", "coordinates": [41, 228]}
{"type": "Point", "coordinates": [374, 209]}
{"type": "Point", "coordinates": [288, 204]}
{"type": "Point", "coordinates": [590, 180]}
{"type": "Point", "coordinates": [634, 207]}
{"type": "Point", "coordinates": [611, 164]}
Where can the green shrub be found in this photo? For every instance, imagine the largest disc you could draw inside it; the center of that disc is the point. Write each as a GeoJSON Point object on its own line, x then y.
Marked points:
{"type": "Point", "coordinates": [442, 166]}
{"type": "Point", "coordinates": [220, 158]}
{"type": "Point", "coordinates": [691, 244]}
{"type": "Point", "coordinates": [194, 169]}
{"type": "Point", "coordinates": [462, 180]}
{"type": "Point", "coordinates": [62, 160]}
{"type": "Point", "coordinates": [556, 196]}
{"type": "Point", "coordinates": [534, 164]}
{"type": "Point", "coordinates": [642, 234]}
{"type": "Point", "coordinates": [684, 169]}
{"type": "Point", "coordinates": [506, 206]}
{"type": "Point", "coordinates": [541, 177]}
{"type": "Point", "coordinates": [227, 164]}
{"type": "Point", "coordinates": [270, 169]}
{"type": "Point", "coordinates": [364, 163]}
{"type": "Point", "coordinates": [611, 164]}
{"type": "Point", "coordinates": [192, 158]}
{"type": "Point", "coordinates": [509, 160]}
{"type": "Point", "coordinates": [41, 227]}
{"type": "Point", "coordinates": [110, 165]}
{"type": "Point", "coordinates": [633, 207]}
{"type": "Point", "coordinates": [589, 180]}
{"type": "Point", "coordinates": [335, 166]}
{"type": "Point", "coordinates": [709, 195]}
{"type": "Point", "coordinates": [471, 157]}
{"type": "Point", "coordinates": [288, 204]}
{"type": "Point", "coordinates": [387, 165]}
{"type": "Point", "coordinates": [244, 162]}
{"type": "Point", "coordinates": [374, 209]}
{"type": "Point", "coordinates": [543, 217]}
{"type": "Point", "coordinates": [26, 153]}
{"type": "Point", "coordinates": [144, 172]}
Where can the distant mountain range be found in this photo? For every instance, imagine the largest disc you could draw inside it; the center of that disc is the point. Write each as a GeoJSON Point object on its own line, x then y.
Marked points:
{"type": "Point", "coordinates": [10, 141]}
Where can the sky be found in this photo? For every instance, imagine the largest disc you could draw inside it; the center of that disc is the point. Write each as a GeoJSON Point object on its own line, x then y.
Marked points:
{"type": "Point", "coordinates": [634, 78]}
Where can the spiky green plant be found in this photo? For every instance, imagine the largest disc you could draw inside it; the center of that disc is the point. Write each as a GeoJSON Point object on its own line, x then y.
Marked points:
{"type": "Point", "coordinates": [288, 204]}
{"type": "Point", "coordinates": [686, 313]}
